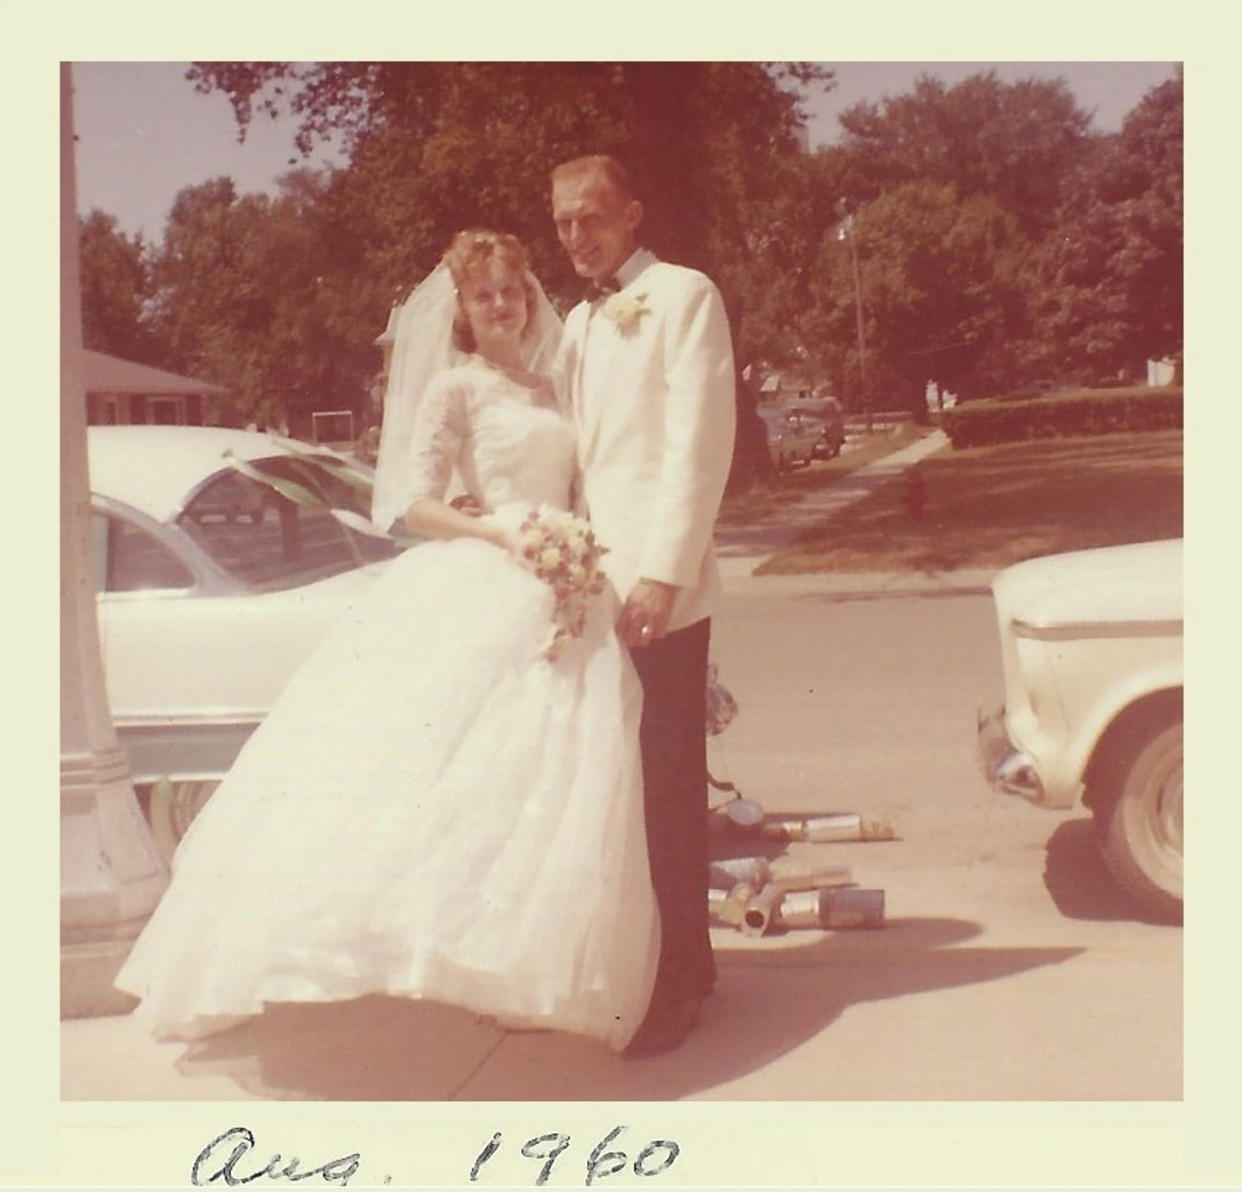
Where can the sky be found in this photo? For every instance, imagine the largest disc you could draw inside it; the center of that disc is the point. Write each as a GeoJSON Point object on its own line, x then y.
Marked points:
{"type": "Point", "coordinates": [144, 133]}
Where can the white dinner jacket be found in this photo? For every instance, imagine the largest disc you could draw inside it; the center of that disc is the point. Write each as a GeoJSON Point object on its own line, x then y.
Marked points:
{"type": "Point", "coordinates": [654, 408]}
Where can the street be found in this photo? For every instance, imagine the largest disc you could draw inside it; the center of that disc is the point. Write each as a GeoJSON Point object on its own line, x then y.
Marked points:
{"type": "Point", "coordinates": [1009, 968]}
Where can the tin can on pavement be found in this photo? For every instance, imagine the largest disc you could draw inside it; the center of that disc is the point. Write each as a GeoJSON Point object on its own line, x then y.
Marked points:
{"type": "Point", "coordinates": [725, 874]}
{"type": "Point", "coordinates": [832, 909]}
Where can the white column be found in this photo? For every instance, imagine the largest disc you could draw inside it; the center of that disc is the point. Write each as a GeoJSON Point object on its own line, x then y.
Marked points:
{"type": "Point", "coordinates": [111, 875]}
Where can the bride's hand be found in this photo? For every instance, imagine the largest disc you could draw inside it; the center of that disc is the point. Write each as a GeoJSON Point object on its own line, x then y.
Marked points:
{"type": "Point", "coordinates": [512, 541]}
{"type": "Point", "coordinates": [507, 537]}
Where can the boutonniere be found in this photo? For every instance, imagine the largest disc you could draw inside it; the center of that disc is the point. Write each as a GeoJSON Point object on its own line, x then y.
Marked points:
{"type": "Point", "coordinates": [625, 310]}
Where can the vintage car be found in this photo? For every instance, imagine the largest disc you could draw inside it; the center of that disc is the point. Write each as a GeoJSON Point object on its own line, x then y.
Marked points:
{"type": "Point", "coordinates": [792, 438]}
{"type": "Point", "coordinates": [221, 557]}
{"type": "Point", "coordinates": [1091, 652]}
{"type": "Point", "coordinates": [826, 415]}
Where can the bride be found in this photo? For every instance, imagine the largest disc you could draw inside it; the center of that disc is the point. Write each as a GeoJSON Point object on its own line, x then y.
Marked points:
{"type": "Point", "coordinates": [434, 809]}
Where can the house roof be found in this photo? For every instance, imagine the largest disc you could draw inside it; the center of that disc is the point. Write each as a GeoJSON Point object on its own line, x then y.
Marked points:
{"type": "Point", "coordinates": [780, 382]}
{"type": "Point", "coordinates": [110, 374]}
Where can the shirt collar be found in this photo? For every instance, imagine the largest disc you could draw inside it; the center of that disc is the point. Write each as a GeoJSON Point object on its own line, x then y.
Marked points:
{"type": "Point", "coordinates": [638, 260]}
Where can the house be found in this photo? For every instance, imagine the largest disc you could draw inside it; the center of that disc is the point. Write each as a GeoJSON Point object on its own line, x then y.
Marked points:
{"type": "Point", "coordinates": [778, 387]}
{"type": "Point", "coordinates": [1161, 372]}
{"type": "Point", "coordinates": [122, 392]}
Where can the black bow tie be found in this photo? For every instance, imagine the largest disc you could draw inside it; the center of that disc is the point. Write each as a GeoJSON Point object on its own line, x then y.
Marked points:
{"type": "Point", "coordinates": [602, 288]}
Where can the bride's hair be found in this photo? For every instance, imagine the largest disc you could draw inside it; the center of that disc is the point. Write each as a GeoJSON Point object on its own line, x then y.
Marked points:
{"type": "Point", "coordinates": [479, 246]}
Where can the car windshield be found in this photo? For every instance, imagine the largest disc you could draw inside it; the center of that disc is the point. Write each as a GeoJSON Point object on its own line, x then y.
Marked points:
{"type": "Point", "coordinates": [282, 522]}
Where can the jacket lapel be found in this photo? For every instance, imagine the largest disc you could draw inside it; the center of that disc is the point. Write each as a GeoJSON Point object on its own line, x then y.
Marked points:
{"type": "Point", "coordinates": [605, 340]}
{"type": "Point", "coordinates": [600, 338]}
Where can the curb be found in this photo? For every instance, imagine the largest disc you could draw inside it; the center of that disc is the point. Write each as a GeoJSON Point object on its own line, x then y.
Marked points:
{"type": "Point", "coordinates": [737, 577]}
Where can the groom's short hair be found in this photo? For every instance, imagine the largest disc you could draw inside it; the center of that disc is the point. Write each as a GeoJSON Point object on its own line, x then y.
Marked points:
{"type": "Point", "coordinates": [607, 167]}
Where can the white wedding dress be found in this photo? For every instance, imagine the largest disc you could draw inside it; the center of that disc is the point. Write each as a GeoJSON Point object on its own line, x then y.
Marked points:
{"type": "Point", "coordinates": [431, 810]}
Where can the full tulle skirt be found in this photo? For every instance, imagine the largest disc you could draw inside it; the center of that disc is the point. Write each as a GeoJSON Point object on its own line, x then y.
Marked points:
{"type": "Point", "coordinates": [431, 810]}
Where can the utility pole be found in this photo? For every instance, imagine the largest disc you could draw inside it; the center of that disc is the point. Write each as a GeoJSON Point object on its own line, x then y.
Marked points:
{"type": "Point", "coordinates": [111, 874]}
{"type": "Point", "coordinates": [846, 232]}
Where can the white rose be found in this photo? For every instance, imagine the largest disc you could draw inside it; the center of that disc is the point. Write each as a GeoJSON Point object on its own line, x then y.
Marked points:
{"type": "Point", "coordinates": [625, 310]}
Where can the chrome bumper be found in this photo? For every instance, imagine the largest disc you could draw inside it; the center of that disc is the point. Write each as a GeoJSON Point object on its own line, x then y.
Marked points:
{"type": "Point", "coordinates": [1007, 768]}
{"type": "Point", "coordinates": [183, 749]}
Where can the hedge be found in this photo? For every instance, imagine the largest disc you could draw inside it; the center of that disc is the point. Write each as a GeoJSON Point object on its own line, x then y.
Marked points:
{"type": "Point", "coordinates": [1081, 412]}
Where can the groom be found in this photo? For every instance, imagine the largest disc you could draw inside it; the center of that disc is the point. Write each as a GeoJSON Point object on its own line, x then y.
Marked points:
{"type": "Point", "coordinates": [648, 367]}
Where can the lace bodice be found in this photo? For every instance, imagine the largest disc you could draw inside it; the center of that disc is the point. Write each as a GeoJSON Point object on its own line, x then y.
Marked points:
{"type": "Point", "coordinates": [508, 442]}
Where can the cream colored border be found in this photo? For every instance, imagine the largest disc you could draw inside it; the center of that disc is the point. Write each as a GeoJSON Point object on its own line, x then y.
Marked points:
{"type": "Point", "coordinates": [761, 1145]}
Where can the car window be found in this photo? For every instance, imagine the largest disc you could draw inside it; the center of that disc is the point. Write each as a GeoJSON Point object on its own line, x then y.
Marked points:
{"type": "Point", "coordinates": [129, 559]}
{"type": "Point", "coordinates": [271, 525]}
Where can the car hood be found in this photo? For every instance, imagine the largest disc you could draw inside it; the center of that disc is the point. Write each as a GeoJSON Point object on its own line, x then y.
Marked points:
{"type": "Point", "coordinates": [1140, 582]}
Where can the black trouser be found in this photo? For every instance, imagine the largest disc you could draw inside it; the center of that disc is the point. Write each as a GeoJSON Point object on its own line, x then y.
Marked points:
{"type": "Point", "coordinates": [673, 672]}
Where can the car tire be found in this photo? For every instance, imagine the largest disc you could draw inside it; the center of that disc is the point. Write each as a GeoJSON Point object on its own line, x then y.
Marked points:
{"type": "Point", "coordinates": [171, 808]}
{"type": "Point", "coordinates": [1141, 823]}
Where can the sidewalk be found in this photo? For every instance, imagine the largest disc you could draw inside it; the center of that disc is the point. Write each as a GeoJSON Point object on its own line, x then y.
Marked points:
{"type": "Point", "coordinates": [741, 549]}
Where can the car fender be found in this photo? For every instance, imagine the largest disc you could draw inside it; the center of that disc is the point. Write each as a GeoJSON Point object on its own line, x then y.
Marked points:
{"type": "Point", "coordinates": [1063, 769]}
{"type": "Point", "coordinates": [171, 658]}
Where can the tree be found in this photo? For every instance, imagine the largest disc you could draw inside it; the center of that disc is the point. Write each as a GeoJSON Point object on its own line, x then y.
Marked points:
{"type": "Point", "coordinates": [940, 286]}
{"type": "Point", "coordinates": [1112, 269]}
{"type": "Point", "coordinates": [116, 287]}
{"type": "Point", "coordinates": [1015, 142]}
{"type": "Point", "coordinates": [769, 263]}
{"type": "Point", "coordinates": [247, 296]}
{"type": "Point", "coordinates": [951, 188]}
{"type": "Point", "coordinates": [437, 146]}
{"type": "Point", "coordinates": [440, 145]}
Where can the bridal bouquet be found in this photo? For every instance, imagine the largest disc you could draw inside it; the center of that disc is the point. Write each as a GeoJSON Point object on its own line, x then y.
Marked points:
{"type": "Point", "coordinates": [561, 550]}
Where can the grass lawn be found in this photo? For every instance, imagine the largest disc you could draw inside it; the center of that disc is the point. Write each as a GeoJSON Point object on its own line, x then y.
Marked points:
{"type": "Point", "coordinates": [741, 508]}
{"type": "Point", "coordinates": [987, 507]}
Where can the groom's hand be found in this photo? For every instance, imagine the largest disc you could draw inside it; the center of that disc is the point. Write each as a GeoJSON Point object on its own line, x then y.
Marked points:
{"type": "Point", "coordinates": [644, 619]}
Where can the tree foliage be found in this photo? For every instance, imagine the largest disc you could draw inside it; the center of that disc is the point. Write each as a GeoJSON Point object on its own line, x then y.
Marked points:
{"type": "Point", "coordinates": [116, 288]}
{"type": "Point", "coordinates": [1014, 142]}
{"type": "Point", "coordinates": [1046, 250]}
{"type": "Point", "coordinates": [996, 236]}
{"type": "Point", "coordinates": [247, 296]}
{"type": "Point", "coordinates": [938, 277]}
{"type": "Point", "coordinates": [1111, 272]}
{"type": "Point", "coordinates": [435, 147]}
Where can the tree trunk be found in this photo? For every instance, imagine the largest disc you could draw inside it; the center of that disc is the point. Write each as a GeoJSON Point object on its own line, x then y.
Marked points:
{"type": "Point", "coordinates": [668, 164]}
